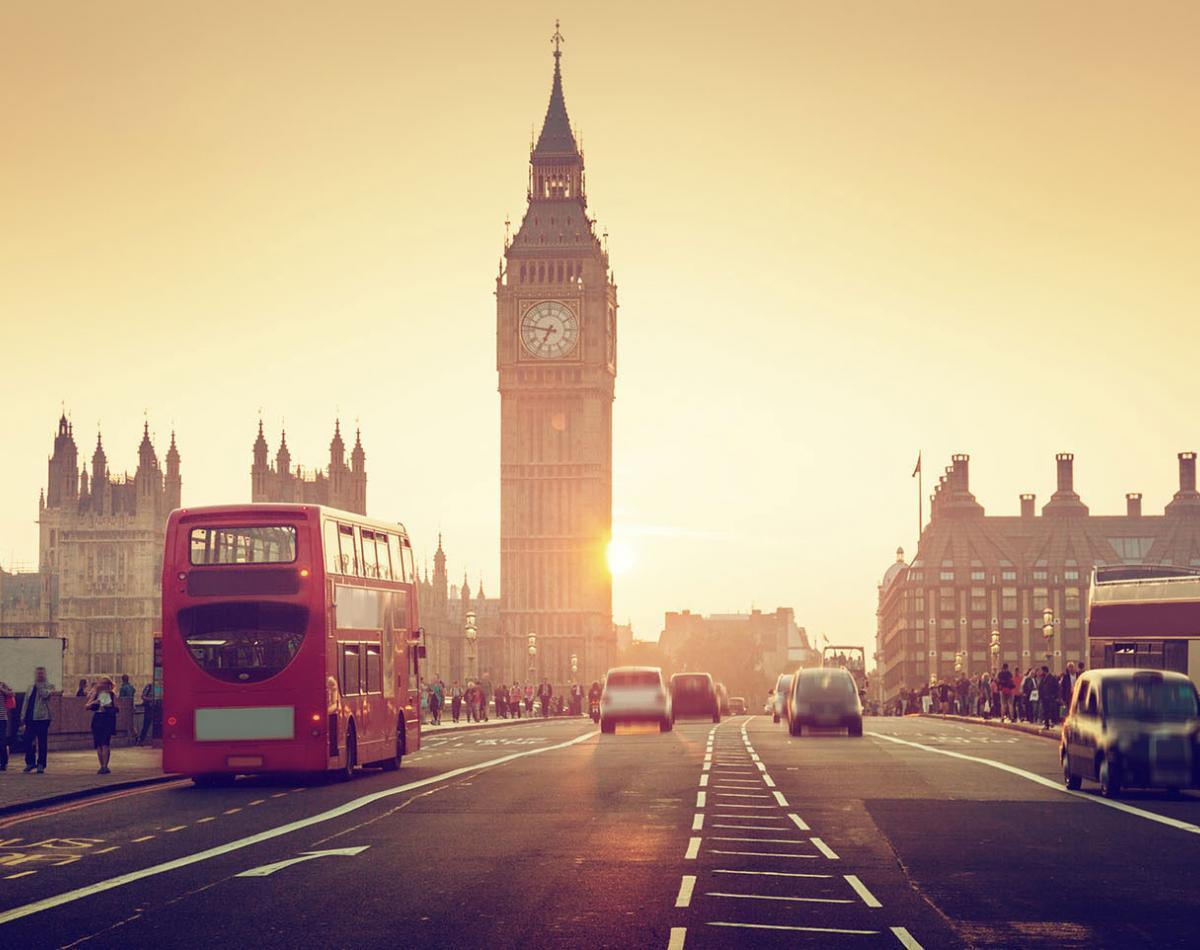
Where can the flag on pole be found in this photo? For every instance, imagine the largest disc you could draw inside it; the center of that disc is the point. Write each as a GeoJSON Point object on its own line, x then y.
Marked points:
{"type": "Point", "coordinates": [917, 467]}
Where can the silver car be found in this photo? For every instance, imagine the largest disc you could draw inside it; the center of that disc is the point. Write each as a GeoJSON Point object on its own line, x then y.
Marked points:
{"type": "Point", "coordinates": [635, 694]}
{"type": "Point", "coordinates": [783, 686]}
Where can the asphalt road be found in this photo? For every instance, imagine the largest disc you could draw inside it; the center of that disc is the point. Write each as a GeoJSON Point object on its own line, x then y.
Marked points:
{"type": "Point", "coordinates": [921, 834]}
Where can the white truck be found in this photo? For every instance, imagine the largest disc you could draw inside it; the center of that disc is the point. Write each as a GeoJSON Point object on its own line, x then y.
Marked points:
{"type": "Point", "coordinates": [20, 656]}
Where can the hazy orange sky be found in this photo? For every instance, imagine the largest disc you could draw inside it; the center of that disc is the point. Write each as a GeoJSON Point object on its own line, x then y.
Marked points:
{"type": "Point", "coordinates": [842, 232]}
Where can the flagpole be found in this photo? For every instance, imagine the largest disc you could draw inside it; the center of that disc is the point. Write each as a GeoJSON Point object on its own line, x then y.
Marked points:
{"type": "Point", "coordinates": [920, 498]}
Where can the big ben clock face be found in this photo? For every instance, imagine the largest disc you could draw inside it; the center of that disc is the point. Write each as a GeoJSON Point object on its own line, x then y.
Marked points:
{"type": "Point", "coordinates": [549, 330]}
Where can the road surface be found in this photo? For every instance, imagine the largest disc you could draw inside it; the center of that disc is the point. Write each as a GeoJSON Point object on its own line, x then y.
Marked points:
{"type": "Point", "coordinates": [923, 833]}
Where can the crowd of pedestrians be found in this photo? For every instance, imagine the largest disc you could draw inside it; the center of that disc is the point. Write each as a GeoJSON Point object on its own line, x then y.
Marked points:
{"type": "Point", "coordinates": [32, 717]}
{"type": "Point", "coordinates": [1037, 696]}
{"type": "Point", "coordinates": [479, 698]}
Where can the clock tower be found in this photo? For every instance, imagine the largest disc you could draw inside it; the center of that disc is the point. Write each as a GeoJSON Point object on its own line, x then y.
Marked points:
{"type": "Point", "coordinates": [556, 355]}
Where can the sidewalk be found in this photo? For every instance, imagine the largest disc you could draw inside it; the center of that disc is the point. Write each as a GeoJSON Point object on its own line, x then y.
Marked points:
{"type": "Point", "coordinates": [72, 775]}
{"type": "Point", "coordinates": [1026, 727]}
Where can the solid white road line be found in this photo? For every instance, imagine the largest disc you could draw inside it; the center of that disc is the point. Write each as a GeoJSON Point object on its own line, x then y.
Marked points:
{"type": "Point", "coordinates": [701, 798]}
{"type": "Point", "coordinates": [739, 795]}
{"type": "Point", "coordinates": [750, 827]}
{"type": "Point", "coordinates": [769, 897]}
{"type": "Point", "coordinates": [698, 822]}
{"type": "Point", "coordinates": [811, 930]}
{"type": "Point", "coordinates": [686, 886]}
{"type": "Point", "coordinates": [906, 939]}
{"type": "Point", "coordinates": [779, 798]}
{"type": "Point", "coordinates": [693, 849]}
{"type": "Point", "coordinates": [678, 935]}
{"type": "Point", "coordinates": [763, 854]}
{"type": "Point", "coordinates": [120, 880]}
{"type": "Point", "coordinates": [861, 890]}
{"type": "Point", "coordinates": [798, 821]}
{"type": "Point", "coordinates": [1051, 784]}
{"type": "Point", "coordinates": [731, 805]}
{"type": "Point", "coordinates": [824, 848]}
{"type": "Point", "coordinates": [771, 873]}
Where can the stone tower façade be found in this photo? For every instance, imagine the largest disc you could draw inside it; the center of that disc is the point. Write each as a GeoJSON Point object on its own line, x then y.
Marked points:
{"type": "Point", "coordinates": [556, 346]}
{"type": "Point", "coordinates": [339, 486]}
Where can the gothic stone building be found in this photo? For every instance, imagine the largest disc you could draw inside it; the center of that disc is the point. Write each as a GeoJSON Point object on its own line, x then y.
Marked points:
{"type": "Point", "coordinates": [100, 556]}
{"type": "Point", "coordinates": [556, 356]}
{"type": "Point", "coordinates": [339, 486]}
{"type": "Point", "coordinates": [976, 573]}
{"type": "Point", "coordinates": [444, 608]}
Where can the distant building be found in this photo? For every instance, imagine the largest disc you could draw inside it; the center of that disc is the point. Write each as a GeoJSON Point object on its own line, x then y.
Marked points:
{"type": "Point", "coordinates": [624, 633]}
{"type": "Point", "coordinates": [976, 573]}
{"type": "Point", "coordinates": [100, 559]}
{"type": "Point", "coordinates": [444, 608]}
{"type": "Point", "coordinates": [748, 650]}
{"type": "Point", "coordinates": [338, 486]}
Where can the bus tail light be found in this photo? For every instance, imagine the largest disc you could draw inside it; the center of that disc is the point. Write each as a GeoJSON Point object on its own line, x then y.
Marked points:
{"type": "Point", "coordinates": [172, 721]}
{"type": "Point", "coordinates": [304, 572]}
{"type": "Point", "coordinates": [316, 717]}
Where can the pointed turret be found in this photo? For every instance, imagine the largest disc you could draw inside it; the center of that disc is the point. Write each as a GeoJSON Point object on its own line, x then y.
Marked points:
{"type": "Point", "coordinates": [260, 446]}
{"type": "Point", "coordinates": [357, 456]}
{"type": "Point", "coordinates": [173, 484]}
{"type": "Point", "coordinates": [557, 138]}
{"type": "Point", "coordinates": [148, 475]}
{"type": "Point", "coordinates": [64, 467]}
{"type": "Point", "coordinates": [99, 476]}
{"type": "Point", "coordinates": [337, 448]}
{"type": "Point", "coordinates": [283, 458]}
{"type": "Point", "coordinates": [465, 592]}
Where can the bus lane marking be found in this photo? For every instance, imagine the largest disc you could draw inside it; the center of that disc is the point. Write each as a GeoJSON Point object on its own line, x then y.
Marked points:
{"type": "Point", "coordinates": [268, 869]}
{"type": "Point", "coordinates": [68, 897]}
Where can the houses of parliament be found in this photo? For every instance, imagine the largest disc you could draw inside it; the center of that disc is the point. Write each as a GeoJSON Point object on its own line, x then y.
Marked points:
{"type": "Point", "coordinates": [98, 578]}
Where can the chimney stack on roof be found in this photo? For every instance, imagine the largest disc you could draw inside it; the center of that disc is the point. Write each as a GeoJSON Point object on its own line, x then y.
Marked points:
{"type": "Point", "coordinates": [1133, 504]}
{"type": "Point", "coordinates": [1027, 505]}
{"type": "Point", "coordinates": [1187, 471]}
{"type": "Point", "coordinates": [961, 471]}
{"type": "Point", "coordinates": [1066, 471]}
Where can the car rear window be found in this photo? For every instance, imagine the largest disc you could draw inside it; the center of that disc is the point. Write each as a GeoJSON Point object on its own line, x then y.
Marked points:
{"type": "Point", "coordinates": [690, 684]}
{"type": "Point", "coordinates": [834, 684]}
{"type": "Point", "coordinates": [634, 678]}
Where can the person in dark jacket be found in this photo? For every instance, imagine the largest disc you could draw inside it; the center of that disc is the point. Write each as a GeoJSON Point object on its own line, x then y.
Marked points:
{"type": "Point", "coordinates": [36, 720]}
{"type": "Point", "coordinates": [1048, 694]}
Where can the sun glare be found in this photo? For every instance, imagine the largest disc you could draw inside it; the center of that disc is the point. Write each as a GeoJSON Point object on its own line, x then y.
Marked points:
{"type": "Point", "coordinates": [620, 557]}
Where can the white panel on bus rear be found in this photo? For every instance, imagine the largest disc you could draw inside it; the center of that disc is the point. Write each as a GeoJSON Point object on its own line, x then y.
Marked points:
{"type": "Point", "coordinates": [246, 722]}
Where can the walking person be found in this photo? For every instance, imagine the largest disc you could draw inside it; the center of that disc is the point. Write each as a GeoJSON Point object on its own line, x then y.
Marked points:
{"type": "Point", "coordinates": [435, 704]}
{"type": "Point", "coordinates": [545, 694]}
{"type": "Point", "coordinates": [529, 699]}
{"type": "Point", "coordinates": [147, 712]}
{"type": "Point", "coordinates": [8, 702]}
{"type": "Point", "coordinates": [1007, 687]}
{"type": "Point", "coordinates": [102, 701]}
{"type": "Point", "coordinates": [502, 701]}
{"type": "Point", "coordinates": [1048, 694]}
{"type": "Point", "coordinates": [36, 719]}
{"type": "Point", "coordinates": [514, 696]}
{"type": "Point", "coordinates": [472, 702]}
{"type": "Point", "coordinates": [485, 695]}
{"type": "Point", "coordinates": [126, 690]}
{"type": "Point", "coordinates": [456, 700]}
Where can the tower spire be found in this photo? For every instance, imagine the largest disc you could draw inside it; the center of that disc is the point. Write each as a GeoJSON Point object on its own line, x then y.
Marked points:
{"type": "Point", "coordinates": [556, 139]}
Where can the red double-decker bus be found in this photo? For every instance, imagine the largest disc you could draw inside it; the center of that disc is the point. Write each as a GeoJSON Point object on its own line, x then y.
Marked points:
{"type": "Point", "coordinates": [291, 642]}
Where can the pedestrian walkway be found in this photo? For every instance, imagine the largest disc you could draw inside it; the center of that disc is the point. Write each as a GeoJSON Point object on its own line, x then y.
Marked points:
{"type": "Point", "coordinates": [1029, 728]}
{"type": "Point", "coordinates": [71, 774]}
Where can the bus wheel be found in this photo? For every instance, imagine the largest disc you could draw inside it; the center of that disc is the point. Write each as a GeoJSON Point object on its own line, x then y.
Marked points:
{"type": "Point", "coordinates": [346, 772]}
{"type": "Point", "coordinates": [391, 765]}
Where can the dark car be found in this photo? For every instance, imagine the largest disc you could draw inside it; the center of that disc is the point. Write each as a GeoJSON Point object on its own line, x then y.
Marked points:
{"type": "Point", "coordinates": [694, 695]}
{"type": "Point", "coordinates": [722, 699]}
{"type": "Point", "coordinates": [1132, 728]}
{"type": "Point", "coordinates": [737, 705]}
{"type": "Point", "coordinates": [824, 698]}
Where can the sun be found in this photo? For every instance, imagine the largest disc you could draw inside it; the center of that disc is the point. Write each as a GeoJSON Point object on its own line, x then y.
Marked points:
{"type": "Point", "coordinates": [620, 557]}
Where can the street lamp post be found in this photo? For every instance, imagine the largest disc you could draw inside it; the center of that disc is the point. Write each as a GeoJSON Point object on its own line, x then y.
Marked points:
{"type": "Point", "coordinates": [532, 658]}
{"type": "Point", "coordinates": [995, 649]}
{"type": "Point", "coordinates": [472, 633]}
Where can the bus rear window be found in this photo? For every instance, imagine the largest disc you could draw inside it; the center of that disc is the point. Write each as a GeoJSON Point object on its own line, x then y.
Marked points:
{"type": "Point", "coordinates": [252, 544]}
{"type": "Point", "coordinates": [243, 642]}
